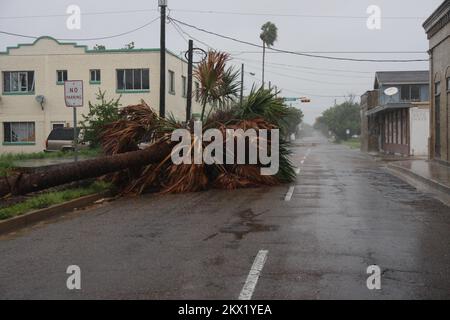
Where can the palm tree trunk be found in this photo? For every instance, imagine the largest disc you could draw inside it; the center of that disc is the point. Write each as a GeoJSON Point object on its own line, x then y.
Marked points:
{"type": "Point", "coordinates": [203, 110]}
{"type": "Point", "coordinates": [263, 63]}
{"type": "Point", "coordinates": [26, 183]}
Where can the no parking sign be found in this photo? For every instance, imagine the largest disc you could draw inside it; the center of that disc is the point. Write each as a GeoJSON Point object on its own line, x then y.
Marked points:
{"type": "Point", "coordinates": [73, 93]}
{"type": "Point", "coordinates": [73, 96]}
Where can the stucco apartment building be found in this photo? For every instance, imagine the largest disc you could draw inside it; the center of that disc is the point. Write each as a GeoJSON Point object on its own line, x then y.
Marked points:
{"type": "Point", "coordinates": [40, 69]}
{"type": "Point", "coordinates": [437, 27]}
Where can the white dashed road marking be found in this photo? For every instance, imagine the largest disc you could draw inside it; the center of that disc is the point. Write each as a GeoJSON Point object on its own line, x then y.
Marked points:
{"type": "Point", "coordinates": [289, 194]}
{"type": "Point", "coordinates": [253, 276]}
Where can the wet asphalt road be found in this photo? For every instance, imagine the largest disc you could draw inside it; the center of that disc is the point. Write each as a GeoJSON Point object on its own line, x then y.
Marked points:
{"type": "Point", "coordinates": [346, 213]}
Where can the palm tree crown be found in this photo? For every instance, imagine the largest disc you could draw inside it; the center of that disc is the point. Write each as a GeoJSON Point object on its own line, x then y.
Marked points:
{"type": "Point", "coordinates": [269, 33]}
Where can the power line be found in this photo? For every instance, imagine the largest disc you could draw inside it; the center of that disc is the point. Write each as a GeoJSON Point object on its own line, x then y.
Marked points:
{"type": "Point", "coordinates": [289, 67]}
{"type": "Point", "coordinates": [297, 92]}
{"type": "Point", "coordinates": [283, 75]}
{"type": "Point", "coordinates": [189, 35]}
{"type": "Point", "coordinates": [179, 32]}
{"type": "Point", "coordinates": [84, 39]}
{"type": "Point", "coordinates": [296, 53]}
{"type": "Point", "coordinates": [271, 14]}
{"type": "Point", "coordinates": [279, 64]}
{"type": "Point", "coordinates": [314, 95]}
{"type": "Point", "coordinates": [209, 46]}
{"type": "Point", "coordinates": [340, 52]}
{"type": "Point", "coordinates": [267, 14]}
{"type": "Point", "coordinates": [309, 68]}
{"type": "Point", "coordinates": [82, 14]}
{"type": "Point", "coordinates": [306, 79]}
{"type": "Point", "coordinates": [310, 80]}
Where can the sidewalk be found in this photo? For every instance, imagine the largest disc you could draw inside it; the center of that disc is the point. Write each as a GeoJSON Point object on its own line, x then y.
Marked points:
{"type": "Point", "coordinates": [428, 174]}
{"type": "Point", "coordinates": [379, 156]}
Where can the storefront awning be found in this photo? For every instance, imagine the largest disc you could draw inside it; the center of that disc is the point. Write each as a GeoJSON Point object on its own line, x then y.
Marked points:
{"type": "Point", "coordinates": [389, 106]}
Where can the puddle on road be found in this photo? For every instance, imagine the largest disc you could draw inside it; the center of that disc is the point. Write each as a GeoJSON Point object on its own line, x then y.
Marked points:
{"type": "Point", "coordinates": [398, 191]}
{"type": "Point", "coordinates": [246, 223]}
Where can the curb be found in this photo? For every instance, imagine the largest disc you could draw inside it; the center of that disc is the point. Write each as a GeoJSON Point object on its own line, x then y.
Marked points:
{"type": "Point", "coordinates": [33, 217]}
{"type": "Point", "coordinates": [430, 182]}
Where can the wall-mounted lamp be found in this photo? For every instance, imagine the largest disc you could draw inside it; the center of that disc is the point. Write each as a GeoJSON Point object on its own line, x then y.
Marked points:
{"type": "Point", "coordinates": [41, 99]}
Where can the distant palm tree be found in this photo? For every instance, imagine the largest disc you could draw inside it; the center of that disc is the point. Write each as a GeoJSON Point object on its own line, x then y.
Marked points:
{"type": "Point", "coordinates": [268, 36]}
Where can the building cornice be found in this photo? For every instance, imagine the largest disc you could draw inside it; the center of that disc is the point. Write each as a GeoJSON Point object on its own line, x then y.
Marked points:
{"type": "Point", "coordinates": [438, 19]}
{"type": "Point", "coordinates": [86, 49]}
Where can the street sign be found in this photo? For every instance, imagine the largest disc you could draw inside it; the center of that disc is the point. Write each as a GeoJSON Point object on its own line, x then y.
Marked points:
{"type": "Point", "coordinates": [302, 99]}
{"type": "Point", "coordinates": [73, 93]}
{"type": "Point", "coordinates": [73, 96]}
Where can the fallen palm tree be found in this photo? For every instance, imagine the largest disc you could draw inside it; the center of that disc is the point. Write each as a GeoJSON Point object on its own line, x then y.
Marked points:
{"type": "Point", "coordinates": [135, 171]}
{"type": "Point", "coordinates": [168, 177]}
{"type": "Point", "coordinates": [19, 184]}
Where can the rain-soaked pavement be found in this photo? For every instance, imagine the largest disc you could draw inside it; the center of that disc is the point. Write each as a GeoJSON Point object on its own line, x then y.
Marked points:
{"type": "Point", "coordinates": [344, 214]}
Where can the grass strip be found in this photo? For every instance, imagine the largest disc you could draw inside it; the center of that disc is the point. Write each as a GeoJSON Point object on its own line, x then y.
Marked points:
{"type": "Point", "coordinates": [46, 200]}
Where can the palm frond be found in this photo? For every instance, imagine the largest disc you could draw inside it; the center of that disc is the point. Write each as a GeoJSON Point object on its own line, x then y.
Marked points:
{"type": "Point", "coordinates": [264, 103]}
{"type": "Point", "coordinates": [286, 171]}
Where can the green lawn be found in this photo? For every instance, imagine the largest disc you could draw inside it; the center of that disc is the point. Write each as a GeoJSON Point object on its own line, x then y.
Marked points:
{"type": "Point", "coordinates": [353, 143]}
{"type": "Point", "coordinates": [46, 200]}
{"type": "Point", "coordinates": [7, 160]}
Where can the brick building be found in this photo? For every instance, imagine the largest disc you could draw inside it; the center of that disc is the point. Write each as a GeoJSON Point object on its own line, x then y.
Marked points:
{"type": "Point", "coordinates": [437, 27]}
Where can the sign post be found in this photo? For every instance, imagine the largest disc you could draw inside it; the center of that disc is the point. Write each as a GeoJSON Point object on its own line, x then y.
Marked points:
{"type": "Point", "coordinates": [73, 96]}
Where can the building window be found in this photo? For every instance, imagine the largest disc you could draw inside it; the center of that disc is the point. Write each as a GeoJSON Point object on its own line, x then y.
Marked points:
{"type": "Point", "coordinates": [95, 76]}
{"type": "Point", "coordinates": [437, 120]}
{"type": "Point", "coordinates": [18, 132]}
{"type": "Point", "coordinates": [437, 88]}
{"type": "Point", "coordinates": [18, 81]}
{"type": "Point", "coordinates": [184, 83]}
{"type": "Point", "coordinates": [61, 76]}
{"type": "Point", "coordinates": [197, 91]}
{"type": "Point", "coordinates": [171, 82]}
{"type": "Point", "coordinates": [57, 125]}
{"type": "Point", "coordinates": [410, 93]}
{"type": "Point", "coordinates": [448, 84]}
{"type": "Point", "coordinates": [133, 79]}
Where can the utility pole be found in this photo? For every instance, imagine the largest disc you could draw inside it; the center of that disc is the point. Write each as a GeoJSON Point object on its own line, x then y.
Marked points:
{"type": "Point", "coordinates": [162, 53]}
{"type": "Point", "coordinates": [242, 84]}
{"type": "Point", "coordinates": [263, 63]}
{"type": "Point", "coordinates": [189, 82]}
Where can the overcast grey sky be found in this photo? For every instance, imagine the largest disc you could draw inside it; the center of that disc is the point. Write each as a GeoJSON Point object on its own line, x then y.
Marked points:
{"type": "Point", "coordinates": [304, 76]}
